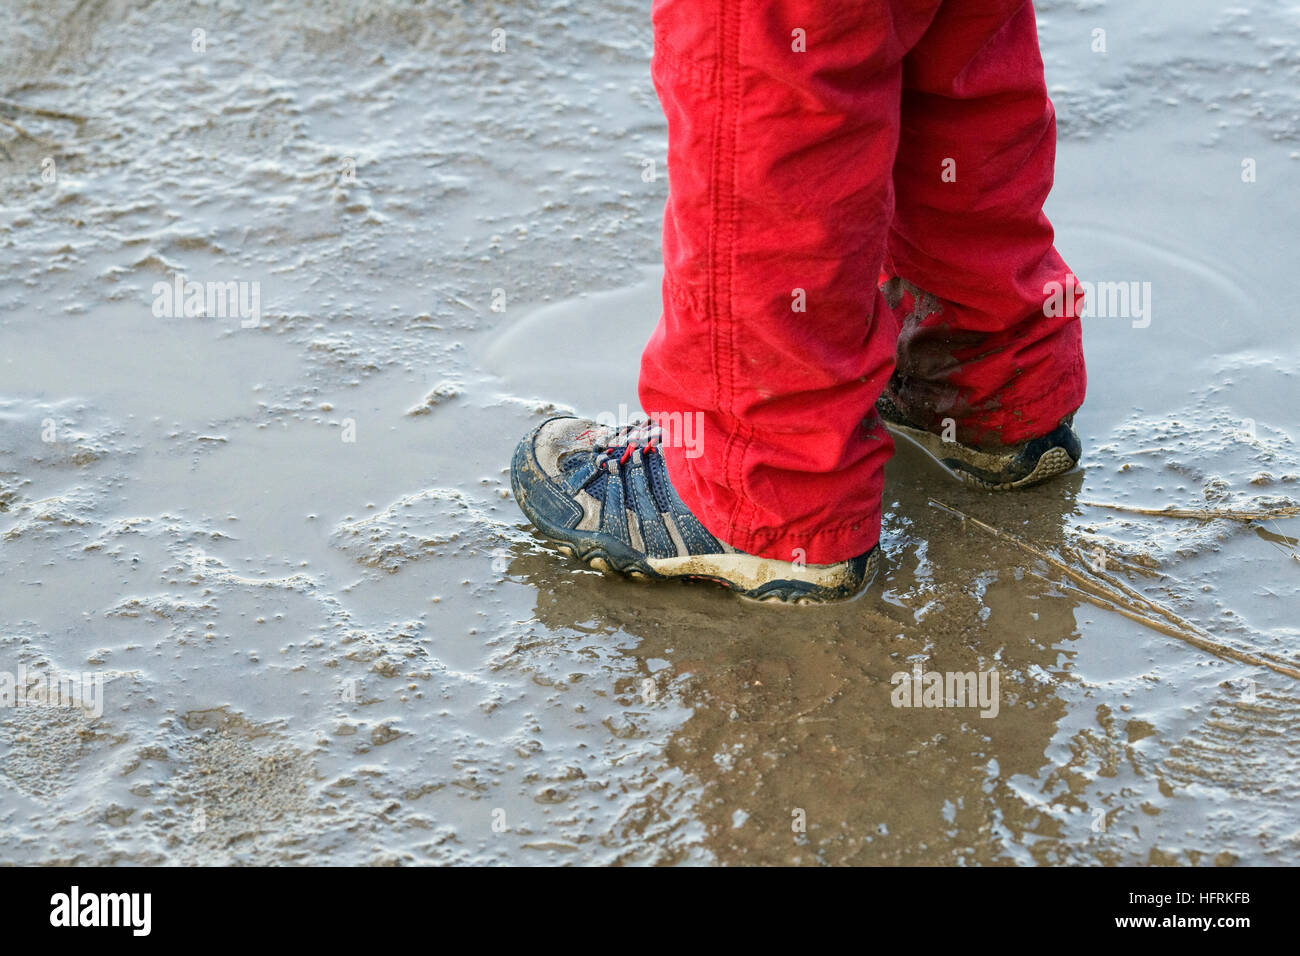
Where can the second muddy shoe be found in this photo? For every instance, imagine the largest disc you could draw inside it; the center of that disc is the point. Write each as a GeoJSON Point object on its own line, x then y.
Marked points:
{"type": "Point", "coordinates": [997, 469]}
{"type": "Point", "coordinates": [603, 494]}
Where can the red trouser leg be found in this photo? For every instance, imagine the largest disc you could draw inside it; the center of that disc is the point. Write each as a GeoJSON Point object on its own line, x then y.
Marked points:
{"type": "Point", "coordinates": [774, 335]}
{"type": "Point", "coordinates": [978, 348]}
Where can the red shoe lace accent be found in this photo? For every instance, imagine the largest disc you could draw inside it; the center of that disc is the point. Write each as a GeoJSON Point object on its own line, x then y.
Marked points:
{"type": "Point", "coordinates": [644, 442]}
{"type": "Point", "coordinates": [649, 448]}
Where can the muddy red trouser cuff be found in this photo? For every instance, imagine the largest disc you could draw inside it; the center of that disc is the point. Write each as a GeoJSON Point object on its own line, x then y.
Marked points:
{"type": "Point", "coordinates": [813, 147]}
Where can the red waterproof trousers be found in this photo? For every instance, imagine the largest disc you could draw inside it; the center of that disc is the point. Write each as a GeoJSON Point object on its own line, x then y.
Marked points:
{"type": "Point", "coordinates": [814, 147]}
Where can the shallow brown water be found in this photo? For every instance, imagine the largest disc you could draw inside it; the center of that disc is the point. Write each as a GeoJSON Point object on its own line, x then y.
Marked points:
{"type": "Point", "coordinates": [354, 650]}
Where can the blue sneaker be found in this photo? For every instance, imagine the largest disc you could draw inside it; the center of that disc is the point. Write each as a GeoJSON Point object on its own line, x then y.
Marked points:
{"type": "Point", "coordinates": [995, 469]}
{"type": "Point", "coordinates": [603, 495]}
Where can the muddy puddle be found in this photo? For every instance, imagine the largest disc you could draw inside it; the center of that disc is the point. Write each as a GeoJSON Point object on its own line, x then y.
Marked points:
{"type": "Point", "coordinates": [324, 632]}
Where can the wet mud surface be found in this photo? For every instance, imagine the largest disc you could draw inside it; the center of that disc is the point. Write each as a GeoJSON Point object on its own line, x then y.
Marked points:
{"type": "Point", "coordinates": [326, 632]}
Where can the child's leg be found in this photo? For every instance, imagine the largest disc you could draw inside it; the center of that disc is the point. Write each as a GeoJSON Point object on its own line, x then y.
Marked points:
{"type": "Point", "coordinates": [970, 246]}
{"type": "Point", "coordinates": [782, 127]}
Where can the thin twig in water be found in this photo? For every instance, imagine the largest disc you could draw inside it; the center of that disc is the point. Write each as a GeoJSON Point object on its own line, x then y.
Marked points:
{"type": "Point", "coordinates": [1077, 553]}
{"type": "Point", "coordinates": [1201, 514]}
{"type": "Point", "coordinates": [1205, 644]}
{"type": "Point", "coordinates": [1112, 594]}
{"type": "Point", "coordinates": [1293, 555]}
{"type": "Point", "coordinates": [1288, 549]}
{"type": "Point", "coordinates": [1141, 598]}
{"type": "Point", "coordinates": [30, 135]}
{"type": "Point", "coordinates": [41, 111]}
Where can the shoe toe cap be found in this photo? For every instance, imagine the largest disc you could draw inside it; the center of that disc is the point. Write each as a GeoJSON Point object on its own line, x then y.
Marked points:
{"type": "Point", "coordinates": [557, 438]}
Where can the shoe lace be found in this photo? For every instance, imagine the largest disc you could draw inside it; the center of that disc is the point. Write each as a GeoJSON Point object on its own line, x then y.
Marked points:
{"type": "Point", "coordinates": [639, 435]}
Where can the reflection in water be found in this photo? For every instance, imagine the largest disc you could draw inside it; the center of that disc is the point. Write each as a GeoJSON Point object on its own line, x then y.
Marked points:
{"type": "Point", "coordinates": [798, 751]}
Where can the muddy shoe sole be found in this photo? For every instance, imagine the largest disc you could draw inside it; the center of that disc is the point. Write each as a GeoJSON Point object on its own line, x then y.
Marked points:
{"type": "Point", "coordinates": [569, 520]}
{"type": "Point", "coordinates": [752, 582]}
{"type": "Point", "coordinates": [1017, 466]}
